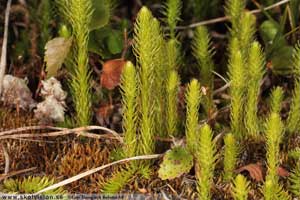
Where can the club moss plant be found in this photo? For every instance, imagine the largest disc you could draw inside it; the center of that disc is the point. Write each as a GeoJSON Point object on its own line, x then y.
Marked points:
{"type": "Point", "coordinates": [230, 156]}
{"type": "Point", "coordinates": [146, 47]}
{"type": "Point", "coordinates": [172, 104]}
{"type": "Point", "coordinates": [129, 102]}
{"type": "Point", "coordinates": [78, 13]}
{"type": "Point", "coordinates": [276, 100]}
{"type": "Point", "coordinates": [193, 97]}
{"type": "Point", "coordinates": [294, 114]}
{"type": "Point", "coordinates": [240, 188]}
{"type": "Point", "coordinates": [237, 89]}
{"type": "Point", "coordinates": [294, 181]}
{"type": "Point", "coordinates": [256, 63]}
{"type": "Point", "coordinates": [205, 164]}
{"type": "Point", "coordinates": [203, 52]}
{"type": "Point", "coordinates": [274, 133]}
{"type": "Point", "coordinates": [172, 11]}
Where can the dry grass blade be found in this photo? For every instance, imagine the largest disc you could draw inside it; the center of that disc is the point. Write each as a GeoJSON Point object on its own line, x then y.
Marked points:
{"type": "Point", "coordinates": [92, 171]}
{"type": "Point", "coordinates": [80, 131]}
{"type": "Point", "coordinates": [4, 45]}
{"type": "Point", "coordinates": [29, 128]}
{"type": "Point", "coordinates": [7, 160]}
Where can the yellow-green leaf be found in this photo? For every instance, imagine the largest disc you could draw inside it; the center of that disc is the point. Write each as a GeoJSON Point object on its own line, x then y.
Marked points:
{"type": "Point", "coordinates": [177, 161]}
{"type": "Point", "coordinates": [56, 52]}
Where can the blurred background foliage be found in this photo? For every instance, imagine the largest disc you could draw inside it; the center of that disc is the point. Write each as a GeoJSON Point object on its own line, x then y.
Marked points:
{"type": "Point", "coordinates": [33, 24]}
{"type": "Point", "coordinates": [41, 18]}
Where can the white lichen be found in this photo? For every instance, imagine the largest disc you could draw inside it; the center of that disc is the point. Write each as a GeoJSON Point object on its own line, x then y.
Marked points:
{"type": "Point", "coordinates": [52, 87]}
{"type": "Point", "coordinates": [53, 108]}
{"type": "Point", "coordinates": [16, 93]}
{"type": "Point", "coordinates": [50, 110]}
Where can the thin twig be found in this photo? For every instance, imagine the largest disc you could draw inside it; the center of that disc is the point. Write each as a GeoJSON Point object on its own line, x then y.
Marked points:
{"type": "Point", "coordinates": [206, 22]}
{"type": "Point", "coordinates": [40, 141]}
{"type": "Point", "coordinates": [3, 61]}
{"type": "Point", "coordinates": [30, 128]}
{"type": "Point", "coordinates": [92, 171]}
{"type": "Point", "coordinates": [5, 176]}
{"type": "Point", "coordinates": [174, 191]}
{"type": "Point", "coordinates": [225, 18]}
{"type": "Point", "coordinates": [220, 76]}
{"type": "Point", "coordinates": [221, 89]}
{"type": "Point", "coordinates": [7, 160]}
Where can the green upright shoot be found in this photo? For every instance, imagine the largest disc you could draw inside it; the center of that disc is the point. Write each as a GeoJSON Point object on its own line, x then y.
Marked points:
{"type": "Point", "coordinates": [276, 100]}
{"type": "Point", "coordinates": [256, 63]}
{"type": "Point", "coordinates": [294, 115]}
{"type": "Point", "coordinates": [206, 158]}
{"type": "Point", "coordinates": [193, 96]}
{"type": "Point", "coordinates": [159, 81]}
{"type": "Point", "coordinates": [294, 180]}
{"type": "Point", "coordinates": [145, 49]}
{"type": "Point", "coordinates": [172, 102]}
{"type": "Point", "coordinates": [274, 133]}
{"type": "Point", "coordinates": [234, 10]}
{"type": "Point", "coordinates": [230, 156]}
{"type": "Point", "coordinates": [237, 89]}
{"type": "Point", "coordinates": [78, 13]}
{"type": "Point", "coordinates": [172, 11]}
{"type": "Point", "coordinates": [203, 51]}
{"type": "Point", "coordinates": [173, 55]}
{"type": "Point", "coordinates": [129, 88]}
{"type": "Point", "coordinates": [240, 188]}
{"type": "Point", "coordinates": [246, 32]}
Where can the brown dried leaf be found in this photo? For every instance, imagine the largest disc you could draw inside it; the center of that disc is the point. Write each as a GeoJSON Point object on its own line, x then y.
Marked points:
{"type": "Point", "coordinates": [255, 171]}
{"type": "Point", "coordinates": [282, 172]}
{"type": "Point", "coordinates": [103, 113]}
{"type": "Point", "coordinates": [111, 73]}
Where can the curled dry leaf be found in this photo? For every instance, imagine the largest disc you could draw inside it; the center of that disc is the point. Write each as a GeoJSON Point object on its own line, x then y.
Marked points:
{"type": "Point", "coordinates": [111, 73]}
{"type": "Point", "coordinates": [56, 52]}
{"type": "Point", "coordinates": [255, 171]}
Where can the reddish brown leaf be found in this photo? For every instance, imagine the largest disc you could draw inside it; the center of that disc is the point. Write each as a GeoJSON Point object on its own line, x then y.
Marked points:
{"type": "Point", "coordinates": [255, 171]}
{"type": "Point", "coordinates": [103, 113]}
{"type": "Point", "coordinates": [111, 73]}
{"type": "Point", "coordinates": [282, 172]}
